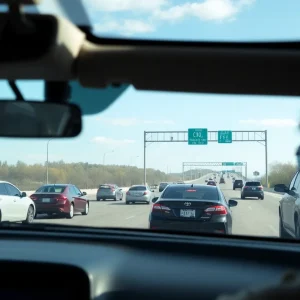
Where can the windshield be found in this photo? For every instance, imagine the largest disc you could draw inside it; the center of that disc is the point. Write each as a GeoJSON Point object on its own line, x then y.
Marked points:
{"type": "Point", "coordinates": [153, 139]}
{"type": "Point", "coordinates": [196, 20]}
{"type": "Point", "coordinates": [253, 183]}
{"type": "Point", "coordinates": [184, 192]}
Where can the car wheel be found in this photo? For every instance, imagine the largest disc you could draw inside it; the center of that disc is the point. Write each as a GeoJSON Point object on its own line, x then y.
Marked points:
{"type": "Point", "coordinates": [127, 202]}
{"type": "Point", "coordinates": [242, 196]}
{"type": "Point", "coordinates": [115, 198]}
{"type": "Point", "coordinates": [98, 199]}
{"type": "Point", "coordinates": [262, 198]}
{"type": "Point", "coordinates": [86, 209]}
{"type": "Point", "coordinates": [70, 214]}
{"type": "Point", "coordinates": [234, 189]}
{"type": "Point", "coordinates": [30, 215]}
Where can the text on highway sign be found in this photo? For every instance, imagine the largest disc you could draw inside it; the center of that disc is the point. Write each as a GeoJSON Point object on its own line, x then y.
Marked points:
{"type": "Point", "coordinates": [224, 136]}
{"type": "Point", "coordinates": [230, 163]}
{"type": "Point", "coordinates": [197, 136]}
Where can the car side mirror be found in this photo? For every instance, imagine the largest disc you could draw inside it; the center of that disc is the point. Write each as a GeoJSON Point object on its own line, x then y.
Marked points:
{"type": "Point", "coordinates": [83, 193]}
{"type": "Point", "coordinates": [281, 188]}
{"type": "Point", "coordinates": [232, 203]}
{"type": "Point", "coordinates": [152, 191]}
{"type": "Point", "coordinates": [154, 199]}
{"type": "Point", "coordinates": [120, 189]}
{"type": "Point", "coordinates": [23, 194]}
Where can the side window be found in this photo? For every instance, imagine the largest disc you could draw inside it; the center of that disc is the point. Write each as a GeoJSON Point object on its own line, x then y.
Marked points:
{"type": "Point", "coordinates": [77, 191]}
{"type": "Point", "coordinates": [3, 190]}
{"type": "Point", "coordinates": [296, 177]}
{"type": "Point", "coordinates": [12, 191]}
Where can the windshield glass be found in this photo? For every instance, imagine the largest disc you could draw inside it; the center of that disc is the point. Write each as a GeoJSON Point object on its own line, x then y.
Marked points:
{"type": "Point", "coordinates": [138, 188]}
{"type": "Point", "coordinates": [153, 139]}
{"type": "Point", "coordinates": [253, 183]}
{"type": "Point", "coordinates": [194, 20]}
{"type": "Point", "coordinates": [51, 189]}
{"type": "Point", "coordinates": [184, 192]}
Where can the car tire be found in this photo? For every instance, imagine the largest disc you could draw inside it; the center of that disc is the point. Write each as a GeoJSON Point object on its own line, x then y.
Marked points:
{"type": "Point", "coordinates": [70, 214]}
{"type": "Point", "coordinates": [242, 197]}
{"type": "Point", "coordinates": [127, 203]}
{"type": "Point", "coordinates": [29, 216]}
{"type": "Point", "coordinates": [86, 209]}
{"type": "Point", "coordinates": [98, 199]}
{"type": "Point", "coordinates": [234, 189]}
{"type": "Point", "coordinates": [115, 198]}
{"type": "Point", "coordinates": [262, 198]}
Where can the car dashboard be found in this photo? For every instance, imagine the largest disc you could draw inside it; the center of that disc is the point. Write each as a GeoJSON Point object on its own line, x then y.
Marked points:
{"type": "Point", "coordinates": [120, 264]}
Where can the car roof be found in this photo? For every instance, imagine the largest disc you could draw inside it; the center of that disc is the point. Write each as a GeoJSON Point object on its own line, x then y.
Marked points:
{"type": "Point", "coordinates": [185, 185]}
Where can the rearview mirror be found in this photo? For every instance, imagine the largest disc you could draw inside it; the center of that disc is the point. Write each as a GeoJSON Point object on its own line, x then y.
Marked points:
{"type": "Point", "coordinates": [31, 119]}
{"type": "Point", "coordinates": [23, 194]}
{"type": "Point", "coordinates": [281, 188]}
{"type": "Point", "coordinates": [154, 199]}
{"type": "Point", "coordinates": [232, 203]}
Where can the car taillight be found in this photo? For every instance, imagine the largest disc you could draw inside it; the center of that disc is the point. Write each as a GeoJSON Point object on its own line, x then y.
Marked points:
{"type": "Point", "coordinates": [127, 193]}
{"type": "Point", "coordinates": [216, 210]}
{"type": "Point", "coordinates": [260, 188]}
{"type": "Point", "coordinates": [160, 207]}
{"type": "Point", "coordinates": [61, 198]}
{"type": "Point", "coordinates": [145, 193]}
{"type": "Point", "coordinates": [33, 197]}
{"type": "Point", "coordinates": [245, 187]}
{"type": "Point", "coordinates": [112, 189]}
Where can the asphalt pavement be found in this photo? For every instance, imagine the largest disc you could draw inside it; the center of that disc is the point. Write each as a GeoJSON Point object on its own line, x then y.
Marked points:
{"type": "Point", "coordinates": [250, 217]}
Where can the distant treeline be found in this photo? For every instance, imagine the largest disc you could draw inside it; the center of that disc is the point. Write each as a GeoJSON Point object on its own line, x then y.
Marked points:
{"type": "Point", "coordinates": [84, 175]}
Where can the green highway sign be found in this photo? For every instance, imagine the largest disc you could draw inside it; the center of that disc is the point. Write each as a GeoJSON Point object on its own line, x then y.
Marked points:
{"type": "Point", "coordinates": [197, 136]}
{"type": "Point", "coordinates": [224, 136]}
{"type": "Point", "coordinates": [230, 163]}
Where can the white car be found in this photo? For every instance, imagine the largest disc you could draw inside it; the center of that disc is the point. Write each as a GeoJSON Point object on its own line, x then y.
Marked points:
{"type": "Point", "coordinates": [15, 206]}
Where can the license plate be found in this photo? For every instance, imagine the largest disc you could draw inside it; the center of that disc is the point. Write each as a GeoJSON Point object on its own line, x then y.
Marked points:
{"type": "Point", "coordinates": [46, 200]}
{"type": "Point", "coordinates": [188, 213]}
{"type": "Point", "coordinates": [253, 189]}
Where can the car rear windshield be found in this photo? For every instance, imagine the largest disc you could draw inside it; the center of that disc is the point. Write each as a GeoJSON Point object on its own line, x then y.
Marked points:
{"type": "Point", "coordinates": [238, 181]}
{"type": "Point", "coordinates": [52, 189]}
{"type": "Point", "coordinates": [199, 193]}
{"type": "Point", "coordinates": [253, 183]}
{"type": "Point", "coordinates": [105, 186]}
{"type": "Point", "coordinates": [163, 183]}
{"type": "Point", "coordinates": [137, 188]}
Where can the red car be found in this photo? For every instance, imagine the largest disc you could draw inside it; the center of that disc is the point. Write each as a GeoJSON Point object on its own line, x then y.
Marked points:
{"type": "Point", "coordinates": [63, 199]}
{"type": "Point", "coordinates": [211, 182]}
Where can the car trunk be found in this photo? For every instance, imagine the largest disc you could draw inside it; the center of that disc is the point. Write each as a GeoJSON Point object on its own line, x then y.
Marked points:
{"type": "Point", "coordinates": [46, 197]}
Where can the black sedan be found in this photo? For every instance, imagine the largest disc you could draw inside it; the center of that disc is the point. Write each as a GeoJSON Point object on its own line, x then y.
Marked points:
{"type": "Point", "coordinates": [192, 207]}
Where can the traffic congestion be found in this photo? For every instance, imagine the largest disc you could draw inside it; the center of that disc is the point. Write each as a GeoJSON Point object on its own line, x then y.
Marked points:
{"type": "Point", "coordinates": [196, 205]}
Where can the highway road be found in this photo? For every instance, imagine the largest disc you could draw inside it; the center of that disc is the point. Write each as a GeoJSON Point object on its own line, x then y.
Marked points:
{"type": "Point", "coordinates": [251, 216]}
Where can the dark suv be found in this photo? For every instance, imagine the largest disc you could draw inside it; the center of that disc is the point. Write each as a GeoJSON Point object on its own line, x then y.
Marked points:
{"type": "Point", "coordinates": [253, 189]}
{"type": "Point", "coordinates": [238, 184]}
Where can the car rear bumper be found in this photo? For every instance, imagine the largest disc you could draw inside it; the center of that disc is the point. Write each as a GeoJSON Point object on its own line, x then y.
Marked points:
{"type": "Point", "coordinates": [51, 208]}
{"type": "Point", "coordinates": [137, 199]}
{"type": "Point", "coordinates": [237, 186]}
{"type": "Point", "coordinates": [253, 194]}
{"type": "Point", "coordinates": [191, 226]}
{"type": "Point", "coordinates": [106, 196]}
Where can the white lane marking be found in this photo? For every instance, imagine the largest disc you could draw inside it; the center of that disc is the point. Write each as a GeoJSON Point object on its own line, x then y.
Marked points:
{"type": "Point", "coordinates": [273, 229]}
{"type": "Point", "coordinates": [250, 207]}
{"type": "Point", "coordinates": [130, 217]}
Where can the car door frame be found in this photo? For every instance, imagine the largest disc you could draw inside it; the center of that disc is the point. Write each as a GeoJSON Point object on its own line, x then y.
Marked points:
{"type": "Point", "coordinates": [6, 205]}
{"type": "Point", "coordinates": [19, 207]}
{"type": "Point", "coordinates": [81, 199]}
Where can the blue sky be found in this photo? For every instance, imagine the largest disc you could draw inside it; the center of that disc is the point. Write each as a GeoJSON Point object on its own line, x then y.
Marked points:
{"type": "Point", "coordinates": [120, 128]}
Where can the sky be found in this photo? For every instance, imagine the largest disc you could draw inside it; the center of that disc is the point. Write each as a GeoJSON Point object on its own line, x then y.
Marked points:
{"type": "Point", "coordinates": [115, 136]}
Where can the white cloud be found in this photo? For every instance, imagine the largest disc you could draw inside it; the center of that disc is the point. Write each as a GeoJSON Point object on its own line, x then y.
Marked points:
{"type": "Point", "coordinates": [110, 141]}
{"type": "Point", "coordinates": [271, 122]}
{"type": "Point", "coordinates": [125, 27]}
{"type": "Point", "coordinates": [208, 10]}
{"type": "Point", "coordinates": [126, 5]}
{"type": "Point", "coordinates": [134, 122]}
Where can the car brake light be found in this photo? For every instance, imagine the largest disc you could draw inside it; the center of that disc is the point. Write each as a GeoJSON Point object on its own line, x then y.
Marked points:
{"type": "Point", "coordinates": [127, 193]}
{"type": "Point", "coordinates": [112, 189]}
{"type": "Point", "coordinates": [158, 206]}
{"type": "Point", "coordinates": [33, 197]}
{"type": "Point", "coordinates": [260, 187]}
{"type": "Point", "coordinates": [216, 210]}
{"type": "Point", "coordinates": [145, 193]}
{"type": "Point", "coordinates": [61, 198]}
